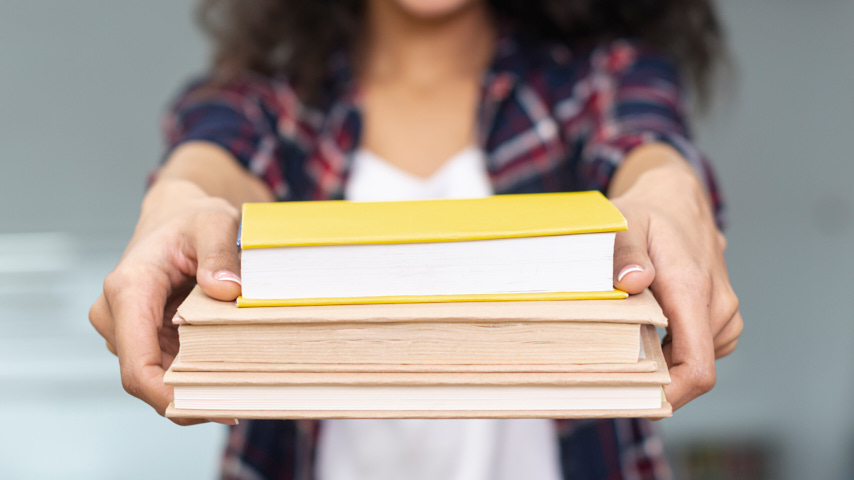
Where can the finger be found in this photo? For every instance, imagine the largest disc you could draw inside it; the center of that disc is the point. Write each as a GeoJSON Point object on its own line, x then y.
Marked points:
{"type": "Point", "coordinates": [724, 305]}
{"type": "Point", "coordinates": [137, 305]}
{"type": "Point", "coordinates": [667, 349]}
{"type": "Point", "coordinates": [725, 350]}
{"type": "Point", "coordinates": [722, 241]}
{"type": "Point", "coordinates": [218, 271]}
{"type": "Point", "coordinates": [185, 422]}
{"type": "Point", "coordinates": [225, 421]}
{"type": "Point", "coordinates": [101, 318]}
{"type": "Point", "coordinates": [691, 353]}
{"type": "Point", "coordinates": [731, 331]}
{"type": "Point", "coordinates": [633, 270]}
{"type": "Point", "coordinates": [167, 359]}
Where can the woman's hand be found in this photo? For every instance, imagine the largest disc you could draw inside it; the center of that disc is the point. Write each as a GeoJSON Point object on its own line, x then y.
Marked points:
{"type": "Point", "coordinates": [183, 236]}
{"type": "Point", "coordinates": [186, 234]}
{"type": "Point", "coordinates": [673, 246]}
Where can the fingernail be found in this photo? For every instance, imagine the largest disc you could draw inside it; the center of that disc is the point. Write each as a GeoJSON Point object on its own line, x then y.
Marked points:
{"type": "Point", "coordinates": [227, 276]}
{"type": "Point", "coordinates": [225, 421]}
{"type": "Point", "coordinates": [627, 270]}
{"type": "Point", "coordinates": [178, 320]}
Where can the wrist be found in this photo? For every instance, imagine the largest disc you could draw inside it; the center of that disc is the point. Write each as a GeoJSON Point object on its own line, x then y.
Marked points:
{"type": "Point", "coordinates": [647, 158]}
{"type": "Point", "coordinates": [216, 172]}
{"type": "Point", "coordinates": [674, 191]}
{"type": "Point", "coordinates": [657, 173]}
{"type": "Point", "coordinates": [667, 180]}
{"type": "Point", "coordinates": [176, 199]}
{"type": "Point", "coordinates": [171, 192]}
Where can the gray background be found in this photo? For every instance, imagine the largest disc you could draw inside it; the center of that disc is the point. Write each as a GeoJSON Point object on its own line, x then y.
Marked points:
{"type": "Point", "coordinates": [82, 88]}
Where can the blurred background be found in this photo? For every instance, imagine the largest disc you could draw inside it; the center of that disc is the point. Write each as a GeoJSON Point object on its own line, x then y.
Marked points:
{"type": "Point", "coordinates": [82, 88]}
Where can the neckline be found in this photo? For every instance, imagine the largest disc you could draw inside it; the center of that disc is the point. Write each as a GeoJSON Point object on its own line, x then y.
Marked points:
{"type": "Point", "coordinates": [470, 151]}
{"type": "Point", "coordinates": [342, 103]}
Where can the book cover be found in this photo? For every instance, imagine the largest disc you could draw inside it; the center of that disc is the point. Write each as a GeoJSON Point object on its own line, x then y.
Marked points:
{"type": "Point", "coordinates": [340, 222]}
{"type": "Point", "coordinates": [485, 343]}
{"type": "Point", "coordinates": [199, 309]}
{"type": "Point", "coordinates": [403, 299]}
{"type": "Point", "coordinates": [236, 379]}
{"type": "Point", "coordinates": [644, 363]}
{"type": "Point", "coordinates": [664, 411]}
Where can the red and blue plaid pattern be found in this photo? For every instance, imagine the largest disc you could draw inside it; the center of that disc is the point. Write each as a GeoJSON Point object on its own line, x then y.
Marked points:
{"type": "Point", "coordinates": [550, 119]}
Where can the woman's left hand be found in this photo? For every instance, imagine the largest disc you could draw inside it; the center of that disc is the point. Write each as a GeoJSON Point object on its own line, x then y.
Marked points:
{"type": "Point", "coordinates": [674, 247]}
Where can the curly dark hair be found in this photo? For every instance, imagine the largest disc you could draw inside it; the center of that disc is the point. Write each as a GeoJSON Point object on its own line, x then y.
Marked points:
{"type": "Point", "coordinates": [296, 37]}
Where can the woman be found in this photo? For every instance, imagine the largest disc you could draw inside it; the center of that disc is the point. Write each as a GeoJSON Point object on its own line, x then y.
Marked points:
{"type": "Point", "coordinates": [394, 99]}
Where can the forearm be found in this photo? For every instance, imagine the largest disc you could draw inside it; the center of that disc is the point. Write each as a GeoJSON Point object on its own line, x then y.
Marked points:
{"type": "Point", "coordinates": [658, 157]}
{"type": "Point", "coordinates": [213, 171]}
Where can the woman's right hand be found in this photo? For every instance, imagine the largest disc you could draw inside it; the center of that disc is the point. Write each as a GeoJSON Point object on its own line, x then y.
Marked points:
{"type": "Point", "coordinates": [183, 237]}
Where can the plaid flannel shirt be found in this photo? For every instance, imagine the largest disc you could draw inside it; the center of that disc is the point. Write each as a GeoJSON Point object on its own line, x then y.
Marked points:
{"type": "Point", "coordinates": [550, 119]}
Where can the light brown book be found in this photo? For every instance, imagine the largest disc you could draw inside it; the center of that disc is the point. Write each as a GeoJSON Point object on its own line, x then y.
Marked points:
{"type": "Point", "coordinates": [423, 395]}
{"type": "Point", "coordinates": [507, 335]}
{"type": "Point", "coordinates": [644, 363]}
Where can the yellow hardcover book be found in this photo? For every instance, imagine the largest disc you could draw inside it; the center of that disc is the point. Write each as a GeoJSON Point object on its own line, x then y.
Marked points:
{"type": "Point", "coordinates": [341, 222]}
{"type": "Point", "coordinates": [555, 246]}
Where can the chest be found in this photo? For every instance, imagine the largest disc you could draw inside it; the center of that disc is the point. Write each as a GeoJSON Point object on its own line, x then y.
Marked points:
{"type": "Point", "coordinates": [417, 127]}
{"type": "Point", "coordinates": [524, 143]}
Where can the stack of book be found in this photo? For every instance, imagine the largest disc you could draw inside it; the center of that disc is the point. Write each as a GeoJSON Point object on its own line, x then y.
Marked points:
{"type": "Point", "coordinates": [487, 308]}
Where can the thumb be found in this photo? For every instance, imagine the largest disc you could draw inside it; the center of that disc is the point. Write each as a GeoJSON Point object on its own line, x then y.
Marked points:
{"type": "Point", "coordinates": [218, 270]}
{"type": "Point", "coordinates": [633, 270]}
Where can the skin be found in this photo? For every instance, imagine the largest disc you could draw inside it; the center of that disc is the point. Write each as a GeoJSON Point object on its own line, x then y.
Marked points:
{"type": "Point", "coordinates": [673, 246]}
{"type": "Point", "coordinates": [420, 94]}
{"type": "Point", "coordinates": [420, 72]}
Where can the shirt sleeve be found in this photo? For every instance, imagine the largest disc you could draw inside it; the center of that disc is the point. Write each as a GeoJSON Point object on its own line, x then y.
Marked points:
{"type": "Point", "coordinates": [636, 97]}
{"type": "Point", "coordinates": [237, 116]}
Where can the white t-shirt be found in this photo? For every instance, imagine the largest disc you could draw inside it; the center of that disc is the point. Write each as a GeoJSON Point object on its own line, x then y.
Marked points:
{"type": "Point", "coordinates": [432, 449]}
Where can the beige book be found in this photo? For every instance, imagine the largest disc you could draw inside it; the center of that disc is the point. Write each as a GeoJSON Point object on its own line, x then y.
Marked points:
{"type": "Point", "coordinates": [199, 309]}
{"type": "Point", "coordinates": [420, 395]}
{"type": "Point", "coordinates": [644, 363]}
{"type": "Point", "coordinates": [560, 333]}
